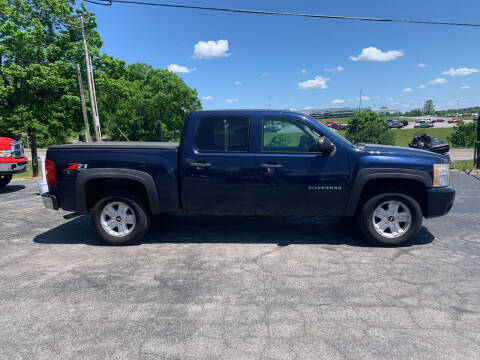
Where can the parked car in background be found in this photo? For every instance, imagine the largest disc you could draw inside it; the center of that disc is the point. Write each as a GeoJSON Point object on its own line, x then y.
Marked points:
{"type": "Point", "coordinates": [404, 122]}
{"type": "Point", "coordinates": [12, 160]}
{"type": "Point", "coordinates": [395, 125]}
{"type": "Point", "coordinates": [455, 121]}
{"type": "Point", "coordinates": [228, 164]}
{"type": "Point", "coordinates": [423, 125]}
{"type": "Point", "coordinates": [440, 120]}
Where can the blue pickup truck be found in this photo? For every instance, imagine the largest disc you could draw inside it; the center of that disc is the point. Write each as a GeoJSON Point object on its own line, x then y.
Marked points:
{"type": "Point", "coordinates": [249, 162]}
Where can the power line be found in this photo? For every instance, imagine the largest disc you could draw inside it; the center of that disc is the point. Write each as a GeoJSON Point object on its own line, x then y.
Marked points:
{"type": "Point", "coordinates": [260, 12]}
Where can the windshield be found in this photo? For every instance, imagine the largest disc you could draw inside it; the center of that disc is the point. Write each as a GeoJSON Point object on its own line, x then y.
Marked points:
{"type": "Point", "coordinates": [331, 133]}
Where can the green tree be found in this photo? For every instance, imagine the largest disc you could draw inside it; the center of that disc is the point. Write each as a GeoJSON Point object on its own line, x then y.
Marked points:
{"type": "Point", "coordinates": [464, 135]}
{"type": "Point", "coordinates": [369, 127]}
{"type": "Point", "coordinates": [38, 83]}
{"type": "Point", "coordinates": [428, 107]}
{"type": "Point", "coordinates": [414, 112]}
{"type": "Point", "coordinates": [38, 86]}
{"type": "Point", "coordinates": [132, 103]}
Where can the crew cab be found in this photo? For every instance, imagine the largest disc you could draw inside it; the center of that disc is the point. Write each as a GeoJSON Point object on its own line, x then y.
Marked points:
{"type": "Point", "coordinates": [249, 162]}
{"type": "Point", "coordinates": [12, 160]}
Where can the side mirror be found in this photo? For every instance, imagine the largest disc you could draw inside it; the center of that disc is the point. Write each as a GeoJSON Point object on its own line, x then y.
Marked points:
{"type": "Point", "coordinates": [325, 146]}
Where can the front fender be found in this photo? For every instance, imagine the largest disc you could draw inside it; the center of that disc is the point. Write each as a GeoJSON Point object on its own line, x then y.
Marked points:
{"type": "Point", "coordinates": [364, 175]}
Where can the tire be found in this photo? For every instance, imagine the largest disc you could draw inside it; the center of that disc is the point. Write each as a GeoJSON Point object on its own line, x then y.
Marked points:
{"type": "Point", "coordinates": [120, 218]}
{"type": "Point", "coordinates": [4, 180]}
{"type": "Point", "coordinates": [382, 226]}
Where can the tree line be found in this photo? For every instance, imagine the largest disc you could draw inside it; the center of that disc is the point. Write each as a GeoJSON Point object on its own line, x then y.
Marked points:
{"type": "Point", "coordinates": [39, 47]}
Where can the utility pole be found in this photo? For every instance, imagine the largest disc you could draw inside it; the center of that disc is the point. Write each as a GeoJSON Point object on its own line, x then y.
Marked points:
{"type": "Point", "coordinates": [97, 118]}
{"type": "Point", "coordinates": [82, 98]}
{"type": "Point", "coordinates": [93, 105]}
{"type": "Point", "coordinates": [360, 101]}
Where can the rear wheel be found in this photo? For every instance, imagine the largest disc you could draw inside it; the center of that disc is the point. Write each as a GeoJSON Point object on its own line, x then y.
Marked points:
{"type": "Point", "coordinates": [390, 218]}
{"type": "Point", "coordinates": [4, 180]}
{"type": "Point", "coordinates": [120, 218]}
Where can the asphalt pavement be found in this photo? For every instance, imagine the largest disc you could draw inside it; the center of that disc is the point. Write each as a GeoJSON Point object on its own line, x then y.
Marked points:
{"type": "Point", "coordinates": [204, 287]}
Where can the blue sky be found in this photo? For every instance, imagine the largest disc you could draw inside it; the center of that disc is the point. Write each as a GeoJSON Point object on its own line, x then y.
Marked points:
{"type": "Point", "coordinates": [266, 54]}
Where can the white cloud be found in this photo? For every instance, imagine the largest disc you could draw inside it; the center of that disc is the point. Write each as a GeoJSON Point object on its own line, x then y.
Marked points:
{"type": "Point", "coordinates": [336, 68]}
{"type": "Point", "coordinates": [364, 98]}
{"type": "Point", "coordinates": [390, 99]}
{"type": "Point", "coordinates": [460, 71]}
{"type": "Point", "coordinates": [317, 83]}
{"type": "Point", "coordinates": [304, 72]}
{"type": "Point", "coordinates": [338, 101]}
{"type": "Point", "coordinates": [180, 69]}
{"type": "Point", "coordinates": [438, 81]}
{"type": "Point", "coordinates": [211, 49]}
{"type": "Point", "coordinates": [231, 101]}
{"type": "Point", "coordinates": [421, 86]}
{"type": "Point", "coordinates": [206, 98]}
{"type": "Point", "coordinates": [265, 74]}
{"type": "Point", "coordinates": [307, 108]}
{"type": "Point", "coordinates": [422, 65]}
{"type": "Point", "coordinates": [373, 54]}
{"type": "Point", "coordinates": [407, 90]}
{"type": "Point", "coordinates": [464, 87]}
{"type": "Point", "coordinates": [237, 83]}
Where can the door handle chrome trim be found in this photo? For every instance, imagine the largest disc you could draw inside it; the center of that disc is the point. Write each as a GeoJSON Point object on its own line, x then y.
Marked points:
{"type": "Point", "coordinates": [271, 166]}
{"type": "Point", "coordinates": [200, 164]}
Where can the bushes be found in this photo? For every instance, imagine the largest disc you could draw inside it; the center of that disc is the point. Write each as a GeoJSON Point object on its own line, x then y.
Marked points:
{"type": "Point", "coordinates": [369, 127]}
{"type": "Point", "coordinates": [464, 135]}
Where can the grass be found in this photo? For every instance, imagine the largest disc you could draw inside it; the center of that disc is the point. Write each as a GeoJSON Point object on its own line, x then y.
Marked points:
{"type": "Point", "coordinates": [463, 165]}
{"type": "Point", "coordinates": [404, 136]}
{"type": "Point", "coordinates": [29, 172]}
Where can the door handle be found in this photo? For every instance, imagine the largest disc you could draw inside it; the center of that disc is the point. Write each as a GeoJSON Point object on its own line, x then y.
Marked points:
{"type": "Point", "coordinates": [271, 166]}
{"type": "Point", "coordinates": [200, 164]}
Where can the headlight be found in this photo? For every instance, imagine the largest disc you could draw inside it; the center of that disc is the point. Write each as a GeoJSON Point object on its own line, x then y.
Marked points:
{"type": "Point", "coordinates": [5, 153]}
{"type": "Point", "coordinates": [441, 174]}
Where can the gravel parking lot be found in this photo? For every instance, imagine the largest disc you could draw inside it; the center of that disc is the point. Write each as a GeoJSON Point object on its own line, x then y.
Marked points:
{"type": "Point", "coordinates": [204, 287]}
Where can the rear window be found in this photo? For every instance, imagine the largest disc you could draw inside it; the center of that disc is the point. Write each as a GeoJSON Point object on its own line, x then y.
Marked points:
{"type": "Point", "coordinates": [222, 134]}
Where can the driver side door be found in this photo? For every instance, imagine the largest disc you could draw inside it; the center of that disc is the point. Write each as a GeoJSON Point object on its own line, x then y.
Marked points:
{"type": "Point", "coordinates": [294, 178]}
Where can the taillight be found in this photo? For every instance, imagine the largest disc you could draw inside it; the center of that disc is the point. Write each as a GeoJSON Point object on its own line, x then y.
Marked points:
{"type": "Point", "coordinates": [51, 171]}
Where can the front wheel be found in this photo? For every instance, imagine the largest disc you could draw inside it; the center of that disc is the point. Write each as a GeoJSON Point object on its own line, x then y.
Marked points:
{"type": "Point", "coordinates": [120, 218]}
{"type": "Point", "coordinates": [390, 218]}
{"type": "Point", "coordinates": [4, 180]}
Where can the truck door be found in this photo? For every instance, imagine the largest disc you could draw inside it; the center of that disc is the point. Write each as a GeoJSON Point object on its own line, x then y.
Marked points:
{"type": "Point", "coordinates": [294, 178]}
{"type": "Point", "coordinates": [218, 169]}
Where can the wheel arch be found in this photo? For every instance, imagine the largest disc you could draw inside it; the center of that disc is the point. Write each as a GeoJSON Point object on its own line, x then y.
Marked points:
{"type": "Point", "coordinates": [123, 178]}
{"type": "Point", "coordinates": [369, 181]}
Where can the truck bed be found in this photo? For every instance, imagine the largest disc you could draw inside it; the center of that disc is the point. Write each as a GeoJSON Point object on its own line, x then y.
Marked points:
{"type": "Point", "coordinates": [157, 161]}
{"type": "Point", "coordinates": [120, 145]}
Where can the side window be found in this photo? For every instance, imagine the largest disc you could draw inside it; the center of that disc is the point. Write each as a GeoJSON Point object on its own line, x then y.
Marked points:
{"type": "Point", "coordinates": [288, 135]}
{"type": "Point", "coordinates": [222, 134]}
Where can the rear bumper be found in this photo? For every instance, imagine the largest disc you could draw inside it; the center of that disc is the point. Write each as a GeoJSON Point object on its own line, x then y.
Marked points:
{"type": "Point", "coordinates": [50, 201]}
{"type": "Point", "coordinates": [439, 201]}
{"type": "Point", "coordinates": [13, 167]}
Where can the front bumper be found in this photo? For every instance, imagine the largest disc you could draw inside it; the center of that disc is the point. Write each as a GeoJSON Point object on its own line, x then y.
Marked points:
{"type": "Point", "coordinates": [50, 201]}
{"type": "Point", "coordinates": [439, 201]}
{"type": "Point", "coordinates": [13, 168]}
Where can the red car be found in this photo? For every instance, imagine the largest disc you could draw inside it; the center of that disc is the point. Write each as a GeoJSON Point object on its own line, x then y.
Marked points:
{"type": "Point", "coordinates": [454, 121]}
{"type": "Point", "coordinates": [12, 160]}
{"type": "Point", "coordinates": [440, 120]}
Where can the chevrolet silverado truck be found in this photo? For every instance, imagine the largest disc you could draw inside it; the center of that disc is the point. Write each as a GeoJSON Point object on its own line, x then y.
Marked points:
{"type": "Point", "coordinates": [249, 162]}
{"type": "Point", "coordinates": [12, 160]}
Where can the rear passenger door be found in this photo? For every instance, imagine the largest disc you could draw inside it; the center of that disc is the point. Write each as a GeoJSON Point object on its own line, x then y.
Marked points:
{"type": "Point", "coordinates": [218, 168]}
